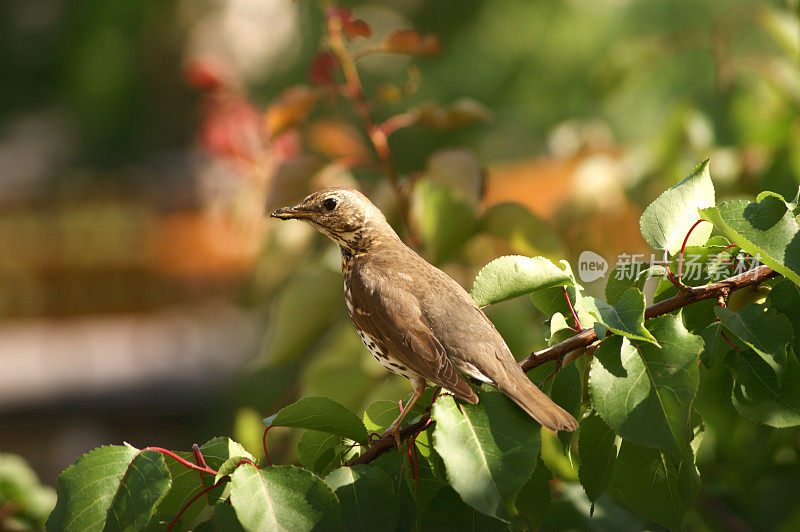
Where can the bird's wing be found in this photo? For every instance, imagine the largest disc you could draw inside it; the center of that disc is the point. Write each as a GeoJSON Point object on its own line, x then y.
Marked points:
{"type": "Point", "coordinates": [396, 324]}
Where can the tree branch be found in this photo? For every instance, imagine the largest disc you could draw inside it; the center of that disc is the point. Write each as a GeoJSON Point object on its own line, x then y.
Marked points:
{"type": "Point", "coordinates": [587, 337]}
{"type": "Point", "coordinates": [387, 443]}
{"type": "Point", "coordinates": [686, 297]}
{"type": "Point", "coordinates": [376, 135]}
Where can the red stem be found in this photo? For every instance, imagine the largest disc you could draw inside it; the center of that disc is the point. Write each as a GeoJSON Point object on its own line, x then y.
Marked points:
{"type": "Point", "coordinates": [683, 247]}
{"type": "Point", "coordinates": [572, 310]}
{"type": "Point", "coordinates": [264, 443]}
{"type": "Point", "coordinates": [670, 276]}
{"type": "Point", "coordinates": [198, 457]}
{"type": "Point", "coordinates": [188, 464]}
{"type": "Point", "coordinates": [203, 492]}
{"type": "Point", "coordinates": [729, 342]}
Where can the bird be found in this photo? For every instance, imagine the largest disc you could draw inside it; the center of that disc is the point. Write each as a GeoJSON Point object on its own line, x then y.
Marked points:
{"type": "Point", "coordinates": [414, 319]}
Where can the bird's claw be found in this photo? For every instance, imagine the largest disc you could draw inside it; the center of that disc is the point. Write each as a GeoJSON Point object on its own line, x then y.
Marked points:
{"type": "Point", "coordinates": [395, 433]}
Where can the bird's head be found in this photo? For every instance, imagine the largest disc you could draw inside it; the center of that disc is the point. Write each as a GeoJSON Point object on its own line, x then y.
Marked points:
{"type": "Point", "coordinates": [343, 214]}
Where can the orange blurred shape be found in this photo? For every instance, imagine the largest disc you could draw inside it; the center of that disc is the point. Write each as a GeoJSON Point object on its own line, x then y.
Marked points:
{"type": "Point", "coordinates": [197, 244]}
{"type": "Point", "coordinates": [410, 42]}
{"type": "Point", "coordinates": [542, 185]}
{"type": "Point", "coordinates": [351, 27]}
{"type": "Point", "coordinates": [607, 221]}
{"type": "Point", "coordinates": [335, 140]}
{"type": "Point", "coordinates": [290, 108]}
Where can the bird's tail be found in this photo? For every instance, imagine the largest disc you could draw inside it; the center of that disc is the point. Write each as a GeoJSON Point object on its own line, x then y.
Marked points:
{"type": "Point", "coordinates": [534, 401]}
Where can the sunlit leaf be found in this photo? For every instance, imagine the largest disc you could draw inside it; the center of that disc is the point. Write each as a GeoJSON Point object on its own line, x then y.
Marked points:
{"type": "Point", "coordinates": [626, 318]}
{"type": "Point", "coordinates": [489, 450]}
{"type": "Point", "coordinates": [114, 487]}
{"type": "Point", "coordinates": [666, 222]}
{"type": "Point", "coordinates": [767, 230]}
{"type": "Point", "coordinates": [380, 414]}
{"type": "Point", "coordinates": [322, 414]}
{"type": "Point", "coordinates": [283, 498]}
{"type": "Point", "coordinates": [514, 275]}
{"type": "Point", "coordinates": [645, 392]}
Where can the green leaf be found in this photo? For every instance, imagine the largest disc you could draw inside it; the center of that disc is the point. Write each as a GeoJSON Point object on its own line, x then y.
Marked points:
{"type": "Point", "coordinates": [767, 230]}
{"type": "Point", "coordinates": [645, 392]}
{"type": "Point", "coordinates": [380, 414]}
{"type": "Point", "coordinates": [630, 275]}
{"type": "Point", "coordinates": [368, 500]}
{"type": "Point", "coordinates": [666, 222]}
{"type": "Point", "coordinates": [652, 484]}
{"type": "Point", "coordinates": [317, 451]}
{"type": "Point", "coordinates": [322, 414]}
{"type": "Point", "coordinates": [186, 483]}
{"type": "Point", "coordinates": [533, 499]}
{"type": "Point", "coordinates": [489, 450]}
{"type": "Point", "coordinates": [19, 486]}
{"type": "Point", "coordinates": [758, 394]}
{"type": "Point", "coordinates": [785, 298]}
{"type": "Point", "coordinates": [448, 512]}
{"type": "Point", "coordinates": [526, 233]}
{"type": "Point", "coordinates": [115, 487]}
{"type": "Point", "coordinates": [597, 447]}
{"type": "Point", "coordinates": [763, 329]}
{"type": "Point", "coordinates": [714, 345]}
{"type": "Point", "coordinates": [283, 498]}
{"type": "Point", "coordinates": [514, 275]}
{"type": "Point", "coordinates": [445, 218]}
{"type": "Point", "coordinates": [625, 318]}
{"type": "Point", "coordinates": [566, 390]}
{"type": "Point", "coordinates": [223, 517]}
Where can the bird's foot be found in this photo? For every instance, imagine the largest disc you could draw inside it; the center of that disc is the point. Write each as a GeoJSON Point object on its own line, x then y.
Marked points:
{"type": "Point", "coordinates": [394, 431]}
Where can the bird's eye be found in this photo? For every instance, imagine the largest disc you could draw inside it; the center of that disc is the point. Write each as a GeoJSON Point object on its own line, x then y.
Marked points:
{"type": "Point", "coordinates": [329, 204]}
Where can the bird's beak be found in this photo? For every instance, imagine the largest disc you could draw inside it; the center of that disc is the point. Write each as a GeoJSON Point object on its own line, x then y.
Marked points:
{"type": "Point", "coordinates": [291, 212]}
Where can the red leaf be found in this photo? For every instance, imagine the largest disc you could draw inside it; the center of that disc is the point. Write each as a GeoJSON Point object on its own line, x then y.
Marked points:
{"type": "Point", "coordinates": [323, 69]}
{"type": "Point", "coordinates": [351, 27]}
{"type": "Point", "coordinates": [290, 108]}
{"type": "Point", "coordinates": [206, 74]}
{"type": "Point", "coordinates": [356, 28]}
{"type": "Point", "coordinates": [411, 42]}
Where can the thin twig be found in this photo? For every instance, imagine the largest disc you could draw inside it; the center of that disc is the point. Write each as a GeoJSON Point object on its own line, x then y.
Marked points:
{"type": "Point", "coordinates": [183, 461]}
{"type": "Point", "coordinates": [387, 443]}
{"type": "Point", "coordinates": [376, 134]}
{"type": "Point", "coordinates": [685, 297]}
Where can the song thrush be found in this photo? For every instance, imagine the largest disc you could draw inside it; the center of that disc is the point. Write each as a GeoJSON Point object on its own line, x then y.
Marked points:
{"type": "Point", "coordinates": [414, 319]}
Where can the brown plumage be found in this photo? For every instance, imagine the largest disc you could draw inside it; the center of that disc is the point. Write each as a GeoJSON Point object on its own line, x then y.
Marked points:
{"type": "Point", "coordinates": [414, 319]}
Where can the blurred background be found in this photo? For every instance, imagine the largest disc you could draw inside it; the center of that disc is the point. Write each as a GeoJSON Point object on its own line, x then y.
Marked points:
{"type": "Point", "coordinates": [145, 297]}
